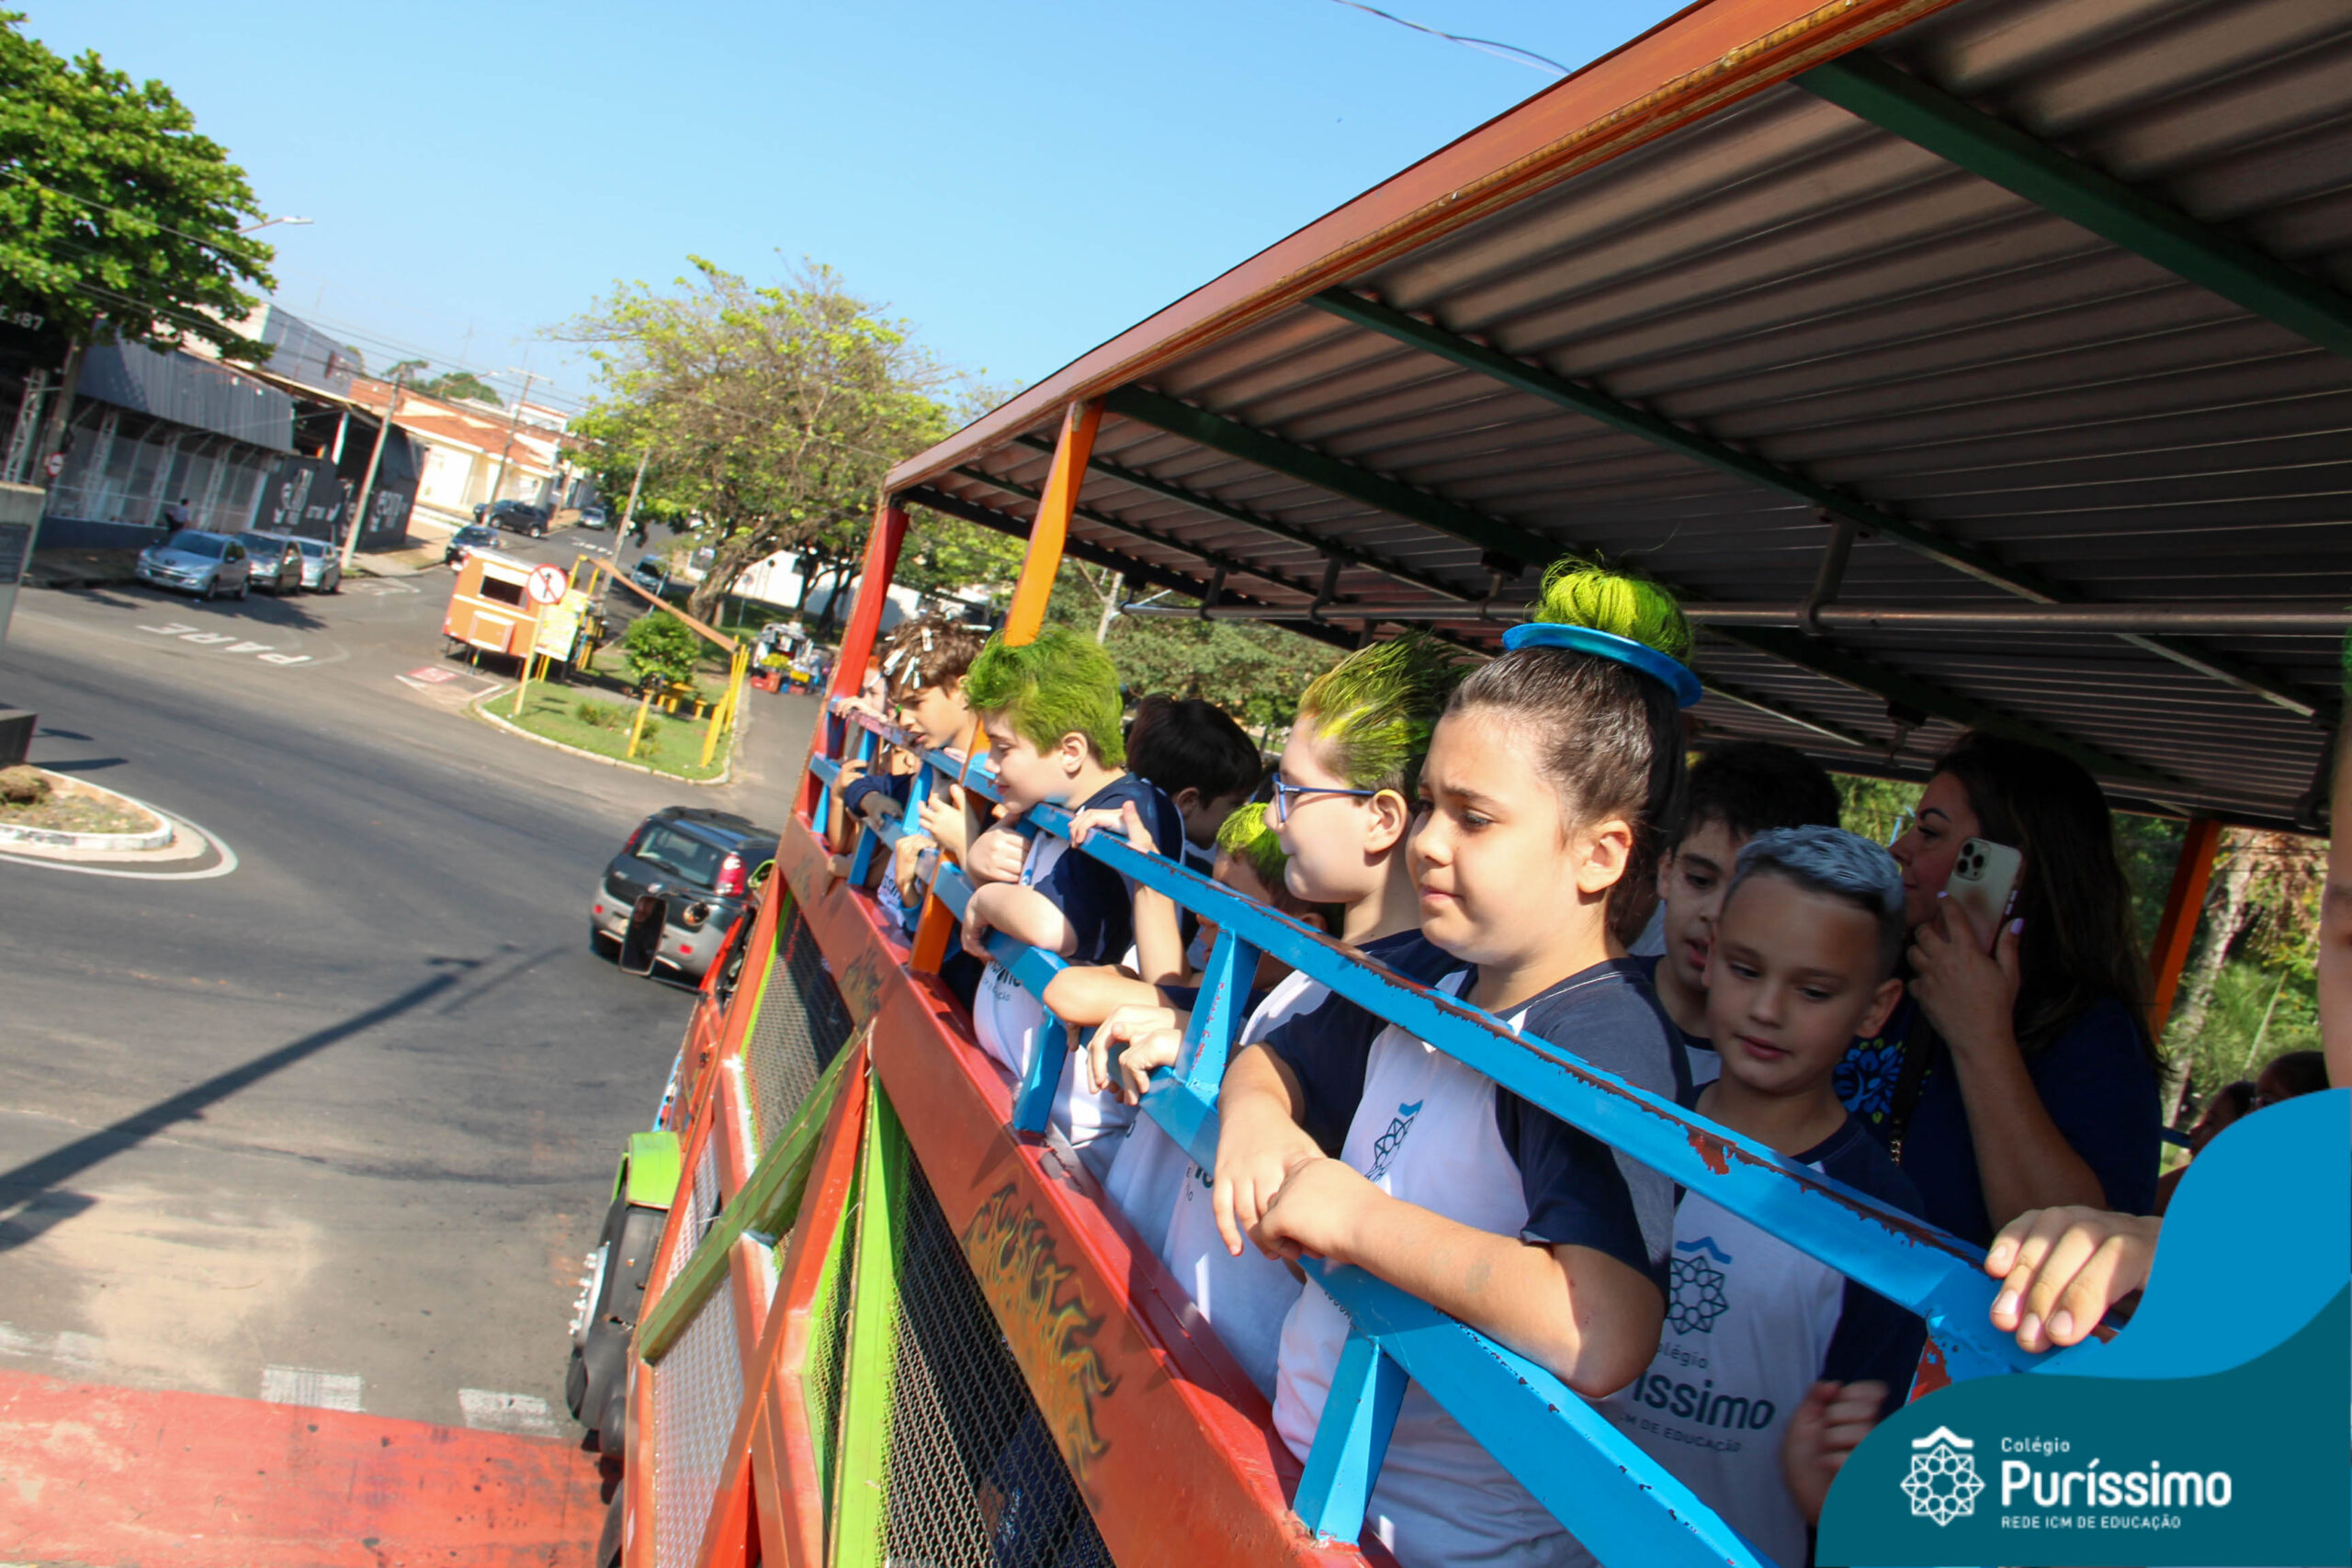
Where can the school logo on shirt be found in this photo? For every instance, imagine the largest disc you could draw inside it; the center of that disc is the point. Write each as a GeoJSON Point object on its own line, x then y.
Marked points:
{"type": "Point", "coordinates": [1943, 1482]}
{"type": "Point", "coordinates": [1697, 1288]}
{"type": "Point", "coordinates": [1865, 1077]}
{"type": "Point", "coordinates": [1385, 1149]}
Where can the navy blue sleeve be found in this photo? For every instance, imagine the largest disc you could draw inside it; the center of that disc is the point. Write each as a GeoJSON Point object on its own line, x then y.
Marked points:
{"type": "Point", "coordinates": [1094, 899]}
{"type": "Point", "coordinates": [2100, 1091]}
{"type": "Point", "coordinates": [1874, 1337]}
{"type": "Point", "coordinates": [893, 786]}
{"type": "Point", "coordinates": [1581, 1192]}
{"type": "Point", "coordinates": [1326, 1049]}
{"type": "Point", "coordinates": [1326, 1046]}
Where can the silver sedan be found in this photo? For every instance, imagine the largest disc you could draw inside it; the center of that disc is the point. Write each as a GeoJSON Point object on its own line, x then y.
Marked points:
{"type": "Point", "coordinates": [322, 566]}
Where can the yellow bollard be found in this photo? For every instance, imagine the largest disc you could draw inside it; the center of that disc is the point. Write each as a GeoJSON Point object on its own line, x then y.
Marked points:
{"type": "Point", "coordinates": [638, 727]}
{"type": "Point", "coordinates": [522, 686]}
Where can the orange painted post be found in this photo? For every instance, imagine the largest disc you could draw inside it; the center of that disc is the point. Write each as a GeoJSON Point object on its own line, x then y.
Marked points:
{"type": "Point", "coordinates": [1052, 525]}
{"type": "Point", "coordinates": [872, 592]}
{"type": "Point", "coordinates": [2183, 904]}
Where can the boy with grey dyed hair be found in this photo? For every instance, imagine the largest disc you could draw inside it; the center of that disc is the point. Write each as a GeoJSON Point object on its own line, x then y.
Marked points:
{"type": "Point", "coordinates": [1771, 1366]}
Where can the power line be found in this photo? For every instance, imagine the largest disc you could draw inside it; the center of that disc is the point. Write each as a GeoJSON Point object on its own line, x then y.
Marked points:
{"type": "Point", "coordinates": [1509, 52]}
{"type": "Point", "coordinates": [126, 212]}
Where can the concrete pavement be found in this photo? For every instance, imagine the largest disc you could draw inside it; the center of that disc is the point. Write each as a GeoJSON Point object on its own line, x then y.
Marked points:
{"type": "Point", "coordinates": [336, 1126]}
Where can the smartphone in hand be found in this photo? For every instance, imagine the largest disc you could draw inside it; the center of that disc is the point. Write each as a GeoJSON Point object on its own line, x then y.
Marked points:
{"type": "Point", "coordinates": [1985, 885]}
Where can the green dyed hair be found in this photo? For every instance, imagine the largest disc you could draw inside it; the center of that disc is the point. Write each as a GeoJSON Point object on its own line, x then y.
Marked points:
{"type": "Point", "coordinates": [1374, 710]}
{"type": "Point", "coordinates": [1062, 683]}
{"type": "Point", "coordinates": [1578, 593]}
{"type": "Point", "coordinates": [1248, 838]}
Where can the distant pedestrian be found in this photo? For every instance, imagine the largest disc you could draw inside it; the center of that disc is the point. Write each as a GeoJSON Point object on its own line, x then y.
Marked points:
{"type": "Point", "coordinates": [176, 515]}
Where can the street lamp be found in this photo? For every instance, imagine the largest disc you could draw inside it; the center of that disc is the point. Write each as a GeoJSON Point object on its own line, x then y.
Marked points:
{"type": "Point", "coordinates": [256, 228]}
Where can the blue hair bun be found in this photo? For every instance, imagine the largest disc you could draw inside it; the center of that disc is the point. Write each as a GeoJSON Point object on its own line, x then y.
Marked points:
{"type": "Point", "coordinates": [1672, 673]}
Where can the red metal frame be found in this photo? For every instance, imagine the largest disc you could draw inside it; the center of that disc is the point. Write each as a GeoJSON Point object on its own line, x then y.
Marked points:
{"type": "Point", "coordinates": [1189, 1463]}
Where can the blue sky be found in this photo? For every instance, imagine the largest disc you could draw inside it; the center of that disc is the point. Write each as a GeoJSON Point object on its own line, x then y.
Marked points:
{"type": "Point", "coordinates": [1020, 180]}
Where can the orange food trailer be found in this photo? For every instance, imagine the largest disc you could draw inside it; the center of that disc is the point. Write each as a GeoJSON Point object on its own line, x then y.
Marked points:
{"type": "Point", "coordinates": [493, 610]}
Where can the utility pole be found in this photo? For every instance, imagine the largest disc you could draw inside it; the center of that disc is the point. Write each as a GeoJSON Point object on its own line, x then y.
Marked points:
{"type": "Point", "coordinates": [368, 485]}
{"type": "Point", "coordinates": [628, 512]}
{"type": "Point", "coordinates": [513, 425]}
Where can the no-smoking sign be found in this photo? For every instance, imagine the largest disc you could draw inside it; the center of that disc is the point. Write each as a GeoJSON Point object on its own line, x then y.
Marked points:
{"type": "Point", "coordinates": [546, 585]}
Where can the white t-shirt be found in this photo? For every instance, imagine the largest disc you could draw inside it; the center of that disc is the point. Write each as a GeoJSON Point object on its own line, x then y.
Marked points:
{"type": "Point", "coordinates": [1750, 1325]}
{"type": "Point", "coordinates": [1432, 1131]}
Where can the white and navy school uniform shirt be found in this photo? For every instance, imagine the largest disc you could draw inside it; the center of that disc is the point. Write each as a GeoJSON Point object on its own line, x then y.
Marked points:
{"type": "Point", "coordinates": [1751, 1322]}
{"type": "Point", "coordinates": [1700, 1059]}
{"type": "Point", "coordinates": [1098, 904]}
{"type": "Point", "coordinates": [1169, 1199]}
{"type": "Point", "coordinates": [1428, 1130]}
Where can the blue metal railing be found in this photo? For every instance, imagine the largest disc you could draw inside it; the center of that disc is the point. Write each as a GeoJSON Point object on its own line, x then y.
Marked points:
{"type": "Point", "coordinates": [1567, 1454]}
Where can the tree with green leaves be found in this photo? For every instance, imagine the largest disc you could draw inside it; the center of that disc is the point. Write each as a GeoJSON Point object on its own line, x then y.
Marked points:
{"type": "Point", "coordinates": [766, 416]}
{"type": "Point", "coordinates": [659, 647]}
{"type": "Point", "coordinates": [118, 221]}
{"type": "Point", "coordinates": [461, 384]}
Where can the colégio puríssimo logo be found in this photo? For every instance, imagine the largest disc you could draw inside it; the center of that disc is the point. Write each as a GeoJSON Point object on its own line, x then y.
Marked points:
{"type": "Point", "coordinates": [1943, 1482]}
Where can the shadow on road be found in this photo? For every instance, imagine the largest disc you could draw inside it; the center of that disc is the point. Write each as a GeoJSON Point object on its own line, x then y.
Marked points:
{"type": "Point", "coordinates": [26, 1191]}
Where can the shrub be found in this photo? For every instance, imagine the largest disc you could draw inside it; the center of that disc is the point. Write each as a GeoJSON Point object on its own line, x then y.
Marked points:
{"type": "Point", "coordinates": [659, 647]}
{"type": "Point", "coordinates": [23, 785]}
{"type": "Point", "coordinates": [602, 715]}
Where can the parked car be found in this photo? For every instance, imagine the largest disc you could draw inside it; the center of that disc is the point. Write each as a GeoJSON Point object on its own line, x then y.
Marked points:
{"type": "Point", "coordinates": [194, 562]}
{"type": "Point", "coordinates": [276, 561]}
{"type": "Point", "coordinates": [322, 566]}
{"type": "Point", "coordinates": [515, 516]}
{"type": "Point", "coordinates": [669, 897]}
{"type": "Point", "coordinates": [594, 517]}
{"type": "Point", "coordinates": [472, 536]}
{"type": "Point", "coordinates": [651, 574]}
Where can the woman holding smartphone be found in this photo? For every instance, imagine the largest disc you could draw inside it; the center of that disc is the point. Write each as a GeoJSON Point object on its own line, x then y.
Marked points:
{"type": "Point", "coordinates": [2018, 1073]}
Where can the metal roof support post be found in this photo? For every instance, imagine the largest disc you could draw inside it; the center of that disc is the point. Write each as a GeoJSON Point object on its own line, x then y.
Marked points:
{"type": "Point", "coordinates": [1030, 595]}
{"type": "Point", "coordinates": [2176, 931]}
{"type": "Point", "coordinates": [872, 592]}
{"type": "Point", "coordinates": [1869, 89]}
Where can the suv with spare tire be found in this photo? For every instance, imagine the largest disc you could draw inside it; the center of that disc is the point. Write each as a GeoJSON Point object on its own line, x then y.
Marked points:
{"type": "Point", "coordinates": [671, 895]}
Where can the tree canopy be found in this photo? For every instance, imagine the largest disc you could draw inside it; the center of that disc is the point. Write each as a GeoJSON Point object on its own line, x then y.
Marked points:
{"type": "Point", "coordinates": [116, 218]}
{"type": "Point", "coordinates": [767, 415]}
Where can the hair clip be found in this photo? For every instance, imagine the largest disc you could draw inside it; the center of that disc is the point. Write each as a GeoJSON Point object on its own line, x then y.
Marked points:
{"type": "Point", "coordinates": [1672, 673]}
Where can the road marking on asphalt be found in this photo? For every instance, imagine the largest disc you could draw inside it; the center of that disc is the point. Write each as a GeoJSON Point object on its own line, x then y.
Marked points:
{"type": "Point", "coordinates": [522, 1414]}
{"type": "Point", "coordinates": [265, 651]}
{"type": "Point", "coordinates": [302, 1385]}
{"type": "Point", "coordinates": [380, 587]}
{"type": "Point", "coordinates": [75, 1349]}
{"type": "Point", "coordinates": [431, 674]}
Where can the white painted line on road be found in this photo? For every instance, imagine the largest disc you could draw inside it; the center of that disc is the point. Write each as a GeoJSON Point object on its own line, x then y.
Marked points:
{"type": "Point", "coordinates": [222, 867]}
{"type": "Point", "coordinates": [319, 1391]}
{"type": "Point", "coordinates": [522, 1414]}
{"type": "Point", "coordinates": [76, 1349]}
{"type": "Point", "coordinates": [265, 651]}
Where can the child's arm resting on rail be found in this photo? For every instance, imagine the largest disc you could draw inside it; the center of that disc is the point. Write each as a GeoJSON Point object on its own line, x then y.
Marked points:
{"type": "Point", "coordinates": [1259, 1138]}
{"type": "Point", "coordinates": [1021, 913]}
{"type": "Point", "coordinates": [1586, 1316]}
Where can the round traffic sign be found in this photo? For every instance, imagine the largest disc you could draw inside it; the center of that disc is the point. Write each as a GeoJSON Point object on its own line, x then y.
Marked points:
{"type": "Point", "coordinates": [54, 463]}
{"type": "Point", "coordinates": [547, 584]}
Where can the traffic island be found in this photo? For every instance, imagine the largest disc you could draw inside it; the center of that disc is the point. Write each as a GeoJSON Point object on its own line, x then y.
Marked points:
{"type": "Point", "coordinates": [572, 719]}
{"type": "Point", "coordinates": [73, 824]}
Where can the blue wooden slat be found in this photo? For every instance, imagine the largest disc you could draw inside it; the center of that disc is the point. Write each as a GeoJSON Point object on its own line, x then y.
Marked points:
{"type": "Point", "coordinates": [1217, 1017]}
{"type": "Point", "coordinates": [1351, 1438]}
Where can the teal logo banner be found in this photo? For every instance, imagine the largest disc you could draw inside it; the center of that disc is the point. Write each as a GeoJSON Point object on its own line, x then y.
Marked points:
{"type": "Point", "coordinates": [2212, 1429]}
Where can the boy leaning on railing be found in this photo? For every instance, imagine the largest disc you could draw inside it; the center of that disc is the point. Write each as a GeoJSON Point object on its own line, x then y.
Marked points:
{"type": "Point", "coordinates": [1050, 711]}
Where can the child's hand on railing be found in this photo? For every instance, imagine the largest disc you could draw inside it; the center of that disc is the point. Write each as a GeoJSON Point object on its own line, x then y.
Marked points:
{"type": "Point", "coordinates": [1833, 1419]}
{"type": "Point", "coordinates": [903, 858]}
{"type": "Point", "coordinates": [1256, 1147]}
{"type": "Point", "coordinates": [1318, 1210]}
{"type": "Point", "coordinates": [943, 820]}
{"type": "Point", "coordinates": [1154, 1037]}
{"type": "Point", "coordinates": [997, 855]}
{"type": "Point", "coordinates": [1124, 820]}
{"type": "Point", "coordinates": [976, 926]}
{"type": "Point", "coordinates": [2062, 1268]}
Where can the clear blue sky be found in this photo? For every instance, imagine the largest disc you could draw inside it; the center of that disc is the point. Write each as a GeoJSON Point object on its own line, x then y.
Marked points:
{"type": "Point", "coordinates": [1020, 180]}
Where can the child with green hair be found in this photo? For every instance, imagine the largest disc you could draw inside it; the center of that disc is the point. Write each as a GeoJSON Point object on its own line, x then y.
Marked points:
{"type": "Point", "coordinates": [1544, 774]}
{"type": "Point", "coordinates": [1050, 711]}
{"type": "Point", "coordinates": [1342, 814]}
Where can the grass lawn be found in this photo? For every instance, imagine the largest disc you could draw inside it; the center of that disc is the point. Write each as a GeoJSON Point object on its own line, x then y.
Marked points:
{"type": "Point", "coordinates": [610, 668]}
{"type": "Point", "coordinates": [671, 743]}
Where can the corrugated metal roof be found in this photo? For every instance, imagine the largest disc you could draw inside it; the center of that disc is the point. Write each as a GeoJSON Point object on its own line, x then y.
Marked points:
{"type": "Point", "coordinates": [1805, 288]}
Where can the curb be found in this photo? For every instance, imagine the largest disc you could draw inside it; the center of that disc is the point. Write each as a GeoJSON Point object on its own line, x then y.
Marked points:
{"type": "Point", "coordinates": [480, 707]}
{"type": "Point", "coordinates": [123, 843]}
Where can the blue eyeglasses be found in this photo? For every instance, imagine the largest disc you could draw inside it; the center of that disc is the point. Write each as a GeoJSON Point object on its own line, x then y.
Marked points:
{"type": "Point", "coordinates": [1286, 793]}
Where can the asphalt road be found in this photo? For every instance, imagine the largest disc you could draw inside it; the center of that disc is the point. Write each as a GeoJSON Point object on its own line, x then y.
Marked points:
{"type": "Point", "coordinates": [352, 1108]}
